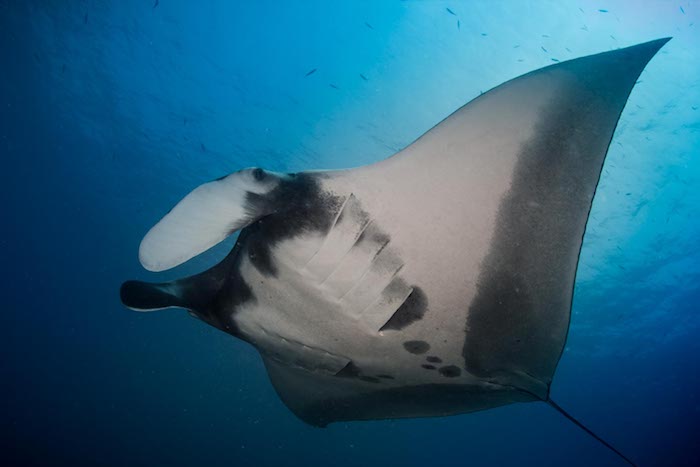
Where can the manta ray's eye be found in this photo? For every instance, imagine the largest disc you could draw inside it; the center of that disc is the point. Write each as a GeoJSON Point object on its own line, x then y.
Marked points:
{"type": "Point", "coordinates": [259, 174]}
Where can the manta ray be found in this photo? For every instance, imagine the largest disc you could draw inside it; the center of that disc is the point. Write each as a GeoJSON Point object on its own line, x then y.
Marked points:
{"type": "Point", "coordinates": [436, 282]}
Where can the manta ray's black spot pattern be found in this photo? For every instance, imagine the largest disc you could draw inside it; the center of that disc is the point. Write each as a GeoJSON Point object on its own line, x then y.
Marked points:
{"type": "Point", "coordinates": [297, 206]}
{"type": "Point", "coordinates": [450, 371]}
{"type": "Point", "coordinates": [410, 311]}
{"type": "Point", "coordinates": [428, 367]}
{"type": "Point", "coordinates": [416, 347]}
{"type": "Point", "coordinates": [433, 359]}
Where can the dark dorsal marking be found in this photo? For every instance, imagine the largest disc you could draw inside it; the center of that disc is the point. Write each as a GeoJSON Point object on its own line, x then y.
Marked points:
{"type": "Point", "coordinates": [428, 367]}
{"type": "Point", "coordinates": [298, 205]}
{"type": "Point", "coordinates": [525, 286]}
{"type": "Point", "coordinates": [433, 359]}
{"type": "Point", "coordinates": [416, 347]}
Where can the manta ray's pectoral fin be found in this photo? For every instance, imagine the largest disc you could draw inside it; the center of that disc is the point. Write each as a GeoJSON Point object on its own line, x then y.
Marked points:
{"type": "Point", "coordinates": [558, 123]}
{"type": "Point", "coordinates": [206, 216]}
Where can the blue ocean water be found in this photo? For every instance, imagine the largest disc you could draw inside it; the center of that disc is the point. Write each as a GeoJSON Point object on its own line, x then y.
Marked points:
{"type": "Point", "coordinates": [112, 111]}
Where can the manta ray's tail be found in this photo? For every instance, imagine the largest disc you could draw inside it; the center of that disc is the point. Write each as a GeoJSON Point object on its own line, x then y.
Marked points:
{"type": "Point", "coordinates": [583, 427]}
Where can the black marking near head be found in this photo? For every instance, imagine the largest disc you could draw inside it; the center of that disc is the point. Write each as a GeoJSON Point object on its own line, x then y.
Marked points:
{"type": "Point", "coordinates": [450, 371]}
{"type": "Point", "coordinates": [433, 359]}
{"type": "Point", "coordinates": [518, 320]}
{"type": "Point", "coordinates": [259, 174]}
{"type": "Point", "coordinates": [428, 367]}
{"type": "Point", "coordinates": [410, 311]}
{"type": "Point", "coordinates": [213, 295]}
{"type": "Point", "coordinates": [297, 206]}
{"type": "Point", "coordinates": [416, 347]}
{"type": "Point", "coordinates": [232, 291]}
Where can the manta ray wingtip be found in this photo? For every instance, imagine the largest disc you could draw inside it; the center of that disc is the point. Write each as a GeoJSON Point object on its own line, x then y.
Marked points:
{"type": "Point", "coordinates": [650, 48]}
{"type": "Point", "coordinates": [656, 44]}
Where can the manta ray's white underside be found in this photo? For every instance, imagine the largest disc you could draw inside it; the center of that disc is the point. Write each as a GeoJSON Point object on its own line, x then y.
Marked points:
{"type": "Point", "coordinates": [436, 282]}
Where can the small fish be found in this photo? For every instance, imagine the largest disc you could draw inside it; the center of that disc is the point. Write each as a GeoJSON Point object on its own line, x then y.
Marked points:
{"type": "Point", "coordinates": [545, 35]}
{"type": "Point", "coordinates": [639, 81]}
{"type": "Point", "coordinates": [458, 25]}
{"type": "Point", "coordinates": [368, 25]}
{"type": "Point", "coordinates": [204, 149]}
{"type": "Point", "coordinates": [581, 10]}
{"type": "Point", "coordinates": [63, 68]}
{"type": "Point", "coordinates": [311, 72]}
{"type": "Point", "coordinates": [603, 11]}
{"type": "Point", "coordinates": [334, 86]}
{"type": "Point", "coordinates": [85, 18]}
{"type": "Point", "coordinates": [622, 267]}
{"type": "Point", "coordinates": [516, 46]}
{"type": "Point", "coordinates": [554, 59]}
{"type": "Point", "coordinates": [613, 37]}
{"type": "Point", "coordinates": [694, 107]}
{"type": "Point", "coordinates": [184, 121]}
{"type": "Point", "coordinates": [585, 28]}
{"type": "Point", "coordinates": [545, 50]}
{"type": "Point", "coordinates": [567, 49]}
{"type": "Point", "coordinates": [628, 194]}
{"type": "Point", "coordinates": [484, 34]}
{"type": "Point", "coordinates": [521, 60]}
{"type": "Point", "coordinates": [451, 12]}
{"type": "Point", "coordinates": [363, 77]}
{"type": "Point", "coordinates": [156, 4]}
{"type": "Point", "coordinates": [682, 10]}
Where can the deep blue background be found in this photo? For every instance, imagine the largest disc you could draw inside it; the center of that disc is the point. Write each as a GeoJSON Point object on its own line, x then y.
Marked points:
{"type": "Point", "coordinates": [112, 111]}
